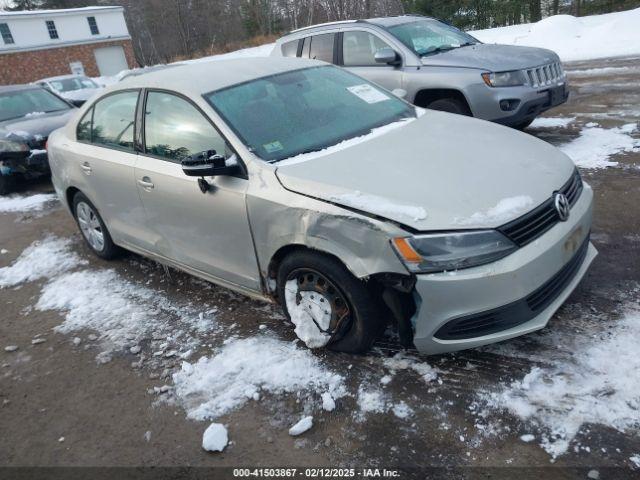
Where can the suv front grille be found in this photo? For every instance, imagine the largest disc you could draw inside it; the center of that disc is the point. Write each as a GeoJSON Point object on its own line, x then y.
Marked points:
{"type": "Point", "coordinates": [532, 225]}
{"type": "Point", "coordinates": [545, 75]}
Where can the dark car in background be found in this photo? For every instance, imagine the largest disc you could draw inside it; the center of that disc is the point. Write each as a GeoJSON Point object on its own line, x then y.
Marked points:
{"type": "Point", "coordinates": [28, 114]}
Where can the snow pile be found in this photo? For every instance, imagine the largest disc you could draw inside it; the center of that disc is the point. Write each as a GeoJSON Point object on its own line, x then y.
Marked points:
{"type": "Point", "coordinates": [42, 259]}
{"type": "Point", "coordinates": [592, 383]}
{"type": "Point", "coordinates": [312, 308]}
{"type": "Point", "coordinates": [20, 203]}
{"type": "Point", "coordinates": [242, 368]}
{"type": "Point", "coordinates": [122, 312]}
{"type": "Point", "coordinates": [583, 38]}
{"type": "Point", "coordinates": [592, 72]}
{"type": "Point", "coordinates": [635, 459]}
{"type": "Point", "coordinates": [215, 438]}
{"type": "Point", "coordinates": [379, 206]}
{"type": "Point", "coordinates": [302, 426]}
{"type": "Point", "coordinates": [371, 401]}
{"type": "Point", "coordinates": [505, 210]}
{"type": "Point", "coordinates": [595, 145]}
{"type": "Point", "coordinates": [401, 361]}
{"type": "Point", "coordinates": [260, 51]}
{"type": "Point", "coordinates": [552, 122]}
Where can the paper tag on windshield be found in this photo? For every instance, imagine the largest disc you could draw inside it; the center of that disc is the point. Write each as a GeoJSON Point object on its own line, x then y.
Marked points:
{"type": "Point", "coordinates": [273, 147]}
{"type": "Point", "coordinates": [368, 93]}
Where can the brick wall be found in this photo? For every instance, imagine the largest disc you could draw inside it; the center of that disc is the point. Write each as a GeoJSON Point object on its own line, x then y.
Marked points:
{"type": "Point", "coordinates": [25, 67]}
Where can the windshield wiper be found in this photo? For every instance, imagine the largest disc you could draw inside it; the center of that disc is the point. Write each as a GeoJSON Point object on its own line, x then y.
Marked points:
{"type": "Point", "coordinates": [441, 48]}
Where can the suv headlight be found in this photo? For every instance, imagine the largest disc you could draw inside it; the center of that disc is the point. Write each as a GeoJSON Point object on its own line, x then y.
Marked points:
{"type": "Point", "coordinates": [9, 146]}
{"type": "Point", "coordinates": [441, 252]}
{"type": "Point", "coordinates": [514, 78]}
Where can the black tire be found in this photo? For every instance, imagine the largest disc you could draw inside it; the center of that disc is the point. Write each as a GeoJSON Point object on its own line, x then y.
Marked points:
{"type": "Point", "coordinates": [523, 125]}
{"type": "Point", "coordinates": [451, 105]}
{"type": "Point", "coordinates": [366, 319]}
{"type": "Point", "coordinates": [7, 184]}
{"type": "Point", "coordinates": [108, 250]}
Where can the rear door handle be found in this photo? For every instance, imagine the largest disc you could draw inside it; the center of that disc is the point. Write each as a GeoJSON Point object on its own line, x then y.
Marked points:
{"type": "Point", "coordinates": [146, 183]}
{"type": "Point", "coordinates": [86, 167]}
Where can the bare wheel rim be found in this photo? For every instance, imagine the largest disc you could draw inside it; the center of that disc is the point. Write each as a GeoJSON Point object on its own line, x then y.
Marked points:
{"type": "Point", "coordinates": [90, 226]}
{"type": "Point", "coordinates": [310, 280]}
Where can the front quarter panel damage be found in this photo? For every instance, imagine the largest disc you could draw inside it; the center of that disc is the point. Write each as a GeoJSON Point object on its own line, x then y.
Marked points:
{"type": "Point", "coordinates": [280, 218]}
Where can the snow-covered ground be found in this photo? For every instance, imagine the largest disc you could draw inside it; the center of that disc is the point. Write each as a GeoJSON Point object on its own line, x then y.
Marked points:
{"type": "Point", "coordinates": [596, 145]}
{"type": "Point", "coordinates": [589, 380]}
{"type": "Point", "coordinates": [581, 38]}
{"type": "Point", "coordinates": [25, 203]}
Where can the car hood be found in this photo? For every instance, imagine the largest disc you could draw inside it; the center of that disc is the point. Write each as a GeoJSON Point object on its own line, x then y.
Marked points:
{"type": "Point", "coordinates": [35, 126]}
{"type": "Point", "coordinates": [438, 172]}
{"type": "Point", "coordinates": [496, 58]}
{"type": "Point", "coordinates": [83, 94]}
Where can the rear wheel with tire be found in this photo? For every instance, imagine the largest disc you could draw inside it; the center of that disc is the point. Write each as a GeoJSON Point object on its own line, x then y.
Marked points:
{"type": "Point", "coordinates": [451, 105]}
{"type": "Point", "coordinates": [327, 304]}
{"type": "Point", "coordinates": [93, 229]}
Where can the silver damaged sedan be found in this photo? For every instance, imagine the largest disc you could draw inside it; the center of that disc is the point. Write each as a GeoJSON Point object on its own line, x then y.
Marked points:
{"type": "Point", "coordinates": [296, 181]}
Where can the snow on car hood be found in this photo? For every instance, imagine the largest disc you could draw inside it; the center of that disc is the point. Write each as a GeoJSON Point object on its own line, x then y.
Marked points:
{"type": "Point", "coordinates": [496, 58]}
{"type": "Point", "coordinates": [35, 125]}
{"type": "Point", "coordinates": [441, 171]}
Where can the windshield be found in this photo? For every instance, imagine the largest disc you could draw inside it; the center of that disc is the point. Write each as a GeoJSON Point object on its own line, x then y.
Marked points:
{"type": "Point", "coordinates": [430, 36]}
{"type": "Point", "coordinates": [306, 110]}
{"type": "Point", "coordinates": [71, 84]}
{"type": "Point", "coordinates": [21, 103]}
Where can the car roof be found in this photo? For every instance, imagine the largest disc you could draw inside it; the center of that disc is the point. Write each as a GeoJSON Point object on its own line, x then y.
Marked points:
{"type": "Point", "coordinates": [200, 77]}
{"type": "Point", "coordinates": [16, 88]}
{"type": "Point", "coordinates": [397, 20]}
{"type": "Point", "coordinates": [61, 77]}
{"type": "Point", "coordinates": [379, 21]}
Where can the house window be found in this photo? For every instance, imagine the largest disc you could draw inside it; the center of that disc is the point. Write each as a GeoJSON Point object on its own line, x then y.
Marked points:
{"type": "Point", "coordinates": [51, 27]}
{"type": "Point", "coordinates": [93, 26]}
{"type": "Point", "coordinates": [6, 34]}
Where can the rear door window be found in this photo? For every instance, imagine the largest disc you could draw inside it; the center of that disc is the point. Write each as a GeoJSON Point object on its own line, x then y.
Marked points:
{"type": "Point", "coordinates": [114, 120]}
{"type": "Point", "coordinates": [321, 47]}
{"type": "Point", "coordinates": [175, 129]}
{"type": "Point", "coordinates": [359, 48]}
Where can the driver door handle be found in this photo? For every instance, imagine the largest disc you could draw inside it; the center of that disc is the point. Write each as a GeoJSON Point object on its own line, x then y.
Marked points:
{"type": "Point", "coordinates": [146, 183]}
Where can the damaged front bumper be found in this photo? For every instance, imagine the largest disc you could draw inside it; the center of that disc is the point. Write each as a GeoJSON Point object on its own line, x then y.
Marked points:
{"type": "Point", "coordinates": [25, 163]}
{"type": "Point", "coordinates": [513, 296]}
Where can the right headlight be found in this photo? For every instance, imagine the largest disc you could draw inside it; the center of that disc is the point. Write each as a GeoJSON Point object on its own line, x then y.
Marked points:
{"type": "Point", "coordinates": [441, 252]}
{"type": "Point", "coordinates": [514, 78]}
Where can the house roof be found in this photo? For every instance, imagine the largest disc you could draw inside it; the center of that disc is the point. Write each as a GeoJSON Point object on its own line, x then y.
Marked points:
{"type": "Point", "coordinates": [57, 12]}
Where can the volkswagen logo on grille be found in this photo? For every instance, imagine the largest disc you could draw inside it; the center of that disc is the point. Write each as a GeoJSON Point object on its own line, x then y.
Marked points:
{"type": "Point", "coordinates": [562, 206]}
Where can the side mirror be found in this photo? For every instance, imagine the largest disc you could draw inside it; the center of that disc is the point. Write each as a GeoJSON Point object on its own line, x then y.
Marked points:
{"type": "Point", "coordinates": [209, 164]}
{"type": "Point", "coordinates": [388, 56]}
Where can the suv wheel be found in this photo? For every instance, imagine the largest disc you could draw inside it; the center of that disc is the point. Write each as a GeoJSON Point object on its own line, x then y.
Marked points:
{"type": "Point", "coordinates": [92, 227]}
{"type": "Point", "coordinates": [327, 304]}
{"type": "Point", "coordinates": [451, 105]}
{"type": "Point", "coordinates": [7, 184]}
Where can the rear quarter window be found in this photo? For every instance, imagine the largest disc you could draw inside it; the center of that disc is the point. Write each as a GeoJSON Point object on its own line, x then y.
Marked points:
{"type": "Point", "coordinates": [290, 49]}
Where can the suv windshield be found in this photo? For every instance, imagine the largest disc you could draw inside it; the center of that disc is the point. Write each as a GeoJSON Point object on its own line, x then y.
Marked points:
{"type": "Point", "coordinates": [21, 103]}
{"type": "Point", "coordinates": [306, 110]}
{"type": "Point", "coordinates": [430, 36]}
{"type": "Point", "coordinates": [71, 84]}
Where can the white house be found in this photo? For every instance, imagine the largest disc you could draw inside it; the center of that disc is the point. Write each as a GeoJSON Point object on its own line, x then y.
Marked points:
{"type": "Point", "coordinates": [43, 43]}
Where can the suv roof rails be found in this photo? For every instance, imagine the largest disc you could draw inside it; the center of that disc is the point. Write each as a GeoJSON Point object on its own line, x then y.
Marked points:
{"type": "Point", "coordinates": [339, 22]}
